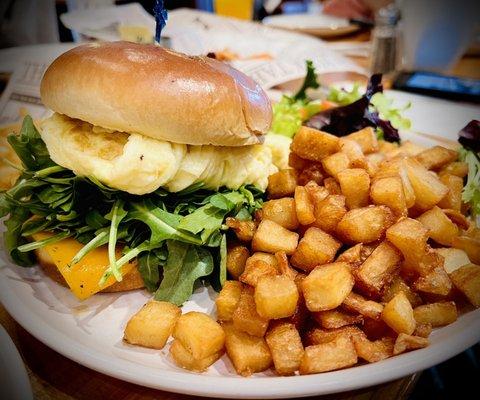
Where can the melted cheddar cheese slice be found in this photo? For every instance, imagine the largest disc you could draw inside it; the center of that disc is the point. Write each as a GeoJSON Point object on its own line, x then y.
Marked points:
{"type": "Point", "coordinates": [83, 278]}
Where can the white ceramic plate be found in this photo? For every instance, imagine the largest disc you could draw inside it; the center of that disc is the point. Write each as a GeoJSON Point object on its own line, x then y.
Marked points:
{"type": "Point", "coordinates": [14, 382]}
{"type": "Point", "coordinates": [90, 332]}
{"type": "Point", "coordinates": [314, 24]}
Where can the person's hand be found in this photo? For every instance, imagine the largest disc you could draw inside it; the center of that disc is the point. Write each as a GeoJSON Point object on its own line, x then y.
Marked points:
{"type": "Point", "coordinates": [351, 9]}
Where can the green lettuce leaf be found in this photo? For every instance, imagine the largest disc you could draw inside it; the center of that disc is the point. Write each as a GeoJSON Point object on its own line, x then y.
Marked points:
{"type": "Point", "coordinates": [471, 190]}
{"type": "Point", "coordinates": [388, 111]}
{"type": "Point", "coordinates": [185, 264]}
{"type": "Point", "coordinates": [344, 97]}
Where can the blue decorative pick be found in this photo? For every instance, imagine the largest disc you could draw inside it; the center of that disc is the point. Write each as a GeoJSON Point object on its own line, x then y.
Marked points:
{"type": "Point", "coordinates": [161, 16]}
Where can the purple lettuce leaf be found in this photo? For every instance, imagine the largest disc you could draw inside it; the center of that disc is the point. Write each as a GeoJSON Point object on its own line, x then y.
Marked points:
{"type": "Point", "coordinates": [469, 136]}
{"type": "Point", "coordinates": [341, 121]}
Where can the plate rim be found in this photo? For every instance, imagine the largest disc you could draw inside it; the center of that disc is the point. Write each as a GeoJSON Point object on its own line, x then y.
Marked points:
{"type": "Point", "coordinates": [235, 386]}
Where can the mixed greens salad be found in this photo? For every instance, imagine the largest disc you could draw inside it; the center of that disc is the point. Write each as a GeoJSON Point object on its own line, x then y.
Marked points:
{"type": "Point", "coordinates": [343, 112]}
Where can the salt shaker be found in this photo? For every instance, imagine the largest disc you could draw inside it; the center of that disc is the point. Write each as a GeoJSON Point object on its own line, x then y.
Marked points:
{"type": "Point", "coordinates": [385, 40]}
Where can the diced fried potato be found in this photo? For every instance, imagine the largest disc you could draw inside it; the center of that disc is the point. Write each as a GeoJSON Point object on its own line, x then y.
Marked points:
{"type": "Point", "coordinates": [426, 185]}
{"type": "Point", "coordinates": [332, 186]}
{"type": "Point", "coordinates": [228, 299]}
{"type": "Point", "coordinates": [377, 329]}
{"type": "Point", "coordinates": [329, 212]}
{"type": "Point", "coordinates": [313, 172]}
{"type": "Point", "coordinates": [276, 297]}
{"type": "Point", "coordinates": [286, 348]}
{"type": "Point", "coordinates": [249, 354]}
{"type": "Point", "coordinates": [458, 218]}
{"type": "Point", "coordinates": [457, 168]}
{"type": "Point", "coordinates": [410, 237]}
{"type": "Point", "coordinates": [373, 351]}
{"type": "Point", "coordinates": [436, 314]}
{"type": "Point", "coordinates": [366, 138]}
{"type": "Point", "coordinates": [265, 257]}
{"type": "Point", "coordinates": [398, 285]}
{"type": "Point", "coordinates": [379, 269]}
{"type": "Point", "coordinates": [256, 270]}
{"type": "Point", "coordinates": [411, 149]}
{"type": "Point", "coordinates": [301, 314]}
{"type": "Point", "coordinates": [364, 225]}
{"type": "Point", "coordinates": [152, 325]}
{"type": "Point", "coordinates": [422, 330]}
{"type": "Point", "coordinates": [469, 245]}
{"type": "Point", "coordinates": [243, 229]}
{"type": "Point", "coordinates": [355, 185]}
{"type": "Point", "coordinates": [454, 258]}
{"type": "Point", "coordinates": [333, 319]}
{"type": "Point", "coordinates": [303, 206]}
{"type": "Point", "coordinates": [408, 342]}
{"type": "Point", "coordinates": [297, 162]}
{"type": "Point", "coordinates": [436, 157]}
{"type": "Point", "coordinates": [453, 199]}
{"type": "Point", "coordinates": [339, 353]}
{"type": "Point", "coordinates": [246, 318]}
{"type": "Point", "coordinates": [436, 282]}
{"type": "Point", "coordinates": [375, 159]}
{"type": "Point", "coordinates": [320, 336]}
{"type": "Point", "coordinates": [281, 211]}
{"type": "Point", "coordinates": [439, 226]}
{"type": "Point", "coordinates": [426, 264]}
{"type": "Point", "coordinates": [272, 237]}
{"type": "Point", "coordinates": [282, 183]}
{"type": "Point", "coordinates": [283, 267]}
{"type": "Point", "coordinates": [335, 163]}
{"type": "Point", "coordinates": [183, 358]}
{"type": "Point", "coordinates": [389, 192]}
{"type": "Point", "coordinates": [367, 308]}
{"type": "Point", "coordinates": [398, 314]}
{"type": "Point", "coordinates": [467, 280]}
{"type": "Point", "coordinates": [354, 153]}
{"type": "Point", "coordinates": [199, 334]}
{"type": "Point", "coordinates": [236, 259]}
{"type": "Point", "coordinates": [327, 286]}
{"type": "Point", "coordinates": [314, 145]}
{"type": "Point", "coordinates": [316, 192]}
{"type": "Point", "coordinates": [356, 255]}
{"type": "Point", "coordinates": [315, 248]}
{"type": "Point", "coordinates": [386, 147]}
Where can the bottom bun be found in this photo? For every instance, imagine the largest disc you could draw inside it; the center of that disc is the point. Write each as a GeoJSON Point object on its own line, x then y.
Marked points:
{"type": "Point", "coordinates": [131, 281]}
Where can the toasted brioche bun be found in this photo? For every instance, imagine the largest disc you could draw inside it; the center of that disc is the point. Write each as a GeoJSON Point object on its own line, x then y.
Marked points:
{"type": "Point", "coordinates": [132, 280]}
{"type": "Point", "coordinates": [146, 89]}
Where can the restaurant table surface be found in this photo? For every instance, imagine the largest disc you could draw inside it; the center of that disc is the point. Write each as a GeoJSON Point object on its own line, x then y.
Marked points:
{"type": "Point", "coordinates": [54, 376]}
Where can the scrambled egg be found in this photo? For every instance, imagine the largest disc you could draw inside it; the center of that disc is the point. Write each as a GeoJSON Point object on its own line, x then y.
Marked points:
{"type": "Point", "coordinates": [139, 165]}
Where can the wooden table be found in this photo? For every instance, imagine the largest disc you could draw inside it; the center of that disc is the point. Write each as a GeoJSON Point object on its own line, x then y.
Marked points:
{"type": "Point", "coordinates": [55, 377]}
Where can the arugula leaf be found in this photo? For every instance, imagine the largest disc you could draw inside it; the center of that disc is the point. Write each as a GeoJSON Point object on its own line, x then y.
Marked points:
{"type": "Point", "coordinates": [115, 216]}
{"type": "Point", "coordinates": [223, 260]}
{"type": "Point", "coordinates": [163, 225]}
{"type": "Point", "coordinates": [208, 219]}
{"type": "Point", "coordinates": [30, 147]}
{"type": "Point", "coordinates": [471, 190]}
{"type": "Point", "coordinates": [13, 238]}
{"type": "Point", "coordinates": [149, 264]}
{"type": "Point", "coordinates": [310, 82]}
{"type": "Point", "coordinates": [185, 264]}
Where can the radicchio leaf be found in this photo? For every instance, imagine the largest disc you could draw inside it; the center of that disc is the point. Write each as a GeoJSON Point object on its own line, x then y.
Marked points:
{"type": "Point", "coordinates": [469, 136]}
{"type": "Point", "coordinates": [344, 120]}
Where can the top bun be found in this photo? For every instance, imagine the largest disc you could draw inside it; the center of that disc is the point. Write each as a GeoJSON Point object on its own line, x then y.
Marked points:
{"type": "Point", "coordinates": [152, 91]}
